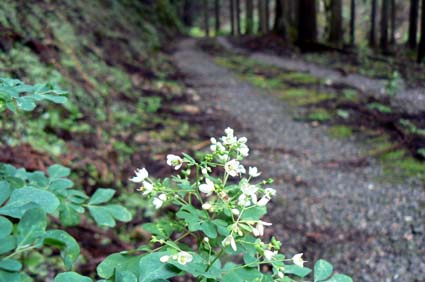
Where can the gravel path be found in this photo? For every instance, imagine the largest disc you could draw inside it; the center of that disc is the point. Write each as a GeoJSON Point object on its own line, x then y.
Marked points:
{"type": "Point", "coordinates": [411, 101]}
{"type": "Point", "coordinates": [373, 231]}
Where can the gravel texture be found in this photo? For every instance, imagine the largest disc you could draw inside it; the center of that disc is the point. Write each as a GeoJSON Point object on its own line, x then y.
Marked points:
{"type": "Point", "coordinates": [411, 100]}
{"type": "Point", "coordinates": [369, 229]}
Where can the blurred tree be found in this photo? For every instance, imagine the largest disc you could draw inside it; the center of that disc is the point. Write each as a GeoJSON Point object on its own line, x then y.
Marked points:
{"type": "Point", "coordinates": [372, 34]}
{"type": "Point", "coordinates": [281, 18]}
{"type": "Point", "coordinates": [413, 23]}
{"type": "Point", "coordinates": [217, 16]}
{"type": "Point", "coordinates": [238, 17]}
{"type": "Point", "coordinates": [206, 18]}
{"type": "Point", "coordinates": [421, 49]}
{"type": "Point", "coordinates": [335, 32]}
{"type": "Point", "coordinates": [249, 16]}
{"type": "Point", "coordinates": [267, 15]}
{"type": "Point", "coordinates": [188, 12]}
{"type": "Point", "coordinates": [392, 22]}
{"type": "Point", "coordinates": [307, 21]}
{"type": "Point", "coordinates": [232, 17]}
{"type": "Point", "coordinates": [261, 12]}
{"type": "Point", "coordinates": [384, 26]}
{"type": "Point", "coordinates": [353, 22]}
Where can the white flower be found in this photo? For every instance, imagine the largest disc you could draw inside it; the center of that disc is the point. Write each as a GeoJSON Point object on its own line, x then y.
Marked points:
{"type": "Point", "coordinates": [263, 201]}
{"type": "Point", "coordinates": [158, 201]}
{"type": "Point", "coordinates": [164, 259]}
{"type": "Point", "coordinates": [248, 189]}
{"type": "Point", "coordinates": [243, 200]}
{"type": "Point", "coordinates": [236, 212]}
{"type": "Point", "coordinates": [253, 172]}
{"type": "Point", "coordinates": [229, 240]}
{"type": "Point", "coordinates": [146, 188]}
{"type": "Point", "coordinates": [243, 150]}
{"type": "Point", "coordinates": [229, 131]}
{"type": "Point", "coordinates": [242, 140]}
{"type": "Point", "coordinates": [229, 139]}
{"type": "Point", "coordinates": [270, 192]}
{"type": "Point", "coordinates": [173, 160]}
{"type": "Point", "coordinates": [207, 188]}
{"type": "Point", "coordinates": [268, 255]}
{"type": "Point", "coordinates": [141, 174]}
{"type": "Point", "coordinates": [280, 274]}
{"type": "Point", "coordinates": [233, 168]}
{"type": "Point", "coordinates": [184, 258]}
{"type": "Point", "coordinates": [259, 228]}
{"type": "Point", "coordinates": [206, 206]}
{"type": "Point", "coordinates": [297, 260]}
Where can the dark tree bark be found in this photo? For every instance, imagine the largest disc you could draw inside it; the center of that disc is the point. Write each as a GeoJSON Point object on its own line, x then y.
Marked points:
{"type": "Point", "coordinates": [217, 16]}
{"type": "Point", "coordinates": [353, 22]}
{"type": "Point", "coordinates": [260, 6]}
{"type": "Point", "coordinates": [238, 17]}
{"type": "Point", "coordinates": [307, 22]}
{"type": "Point", "coordinates": [281, 22]}
{"type": "Point", "coordinates": [249, 17]}
{"type": "Point", "coordinates": [384, 26]}
{"type": "Point", "coordinates": [393, 19]}
{"type": "Point", "coordinates": [335, 32]}
{"type": "Point", "coordinates": [421, 49]}
{"type": "Point", "coordinates": [267, 15]}
{"type": "Point", "coordinates": [372, 34]}
{"type": "Point", "coordinates": [413, 23]}
{"type": "Point", "coordinates": [206, 18]}
{"type": "Point", "coordinates": [188, 11]}
{"type": "Point", "coordinates": [232, 17]}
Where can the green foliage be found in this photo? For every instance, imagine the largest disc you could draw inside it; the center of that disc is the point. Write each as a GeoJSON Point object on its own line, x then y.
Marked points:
{"type": "Point", "coordinates": [340, 131]}
{"type": "Point", "coordinates": [320, 114]}
{"type": "Point", "coordinates": [380, 108]}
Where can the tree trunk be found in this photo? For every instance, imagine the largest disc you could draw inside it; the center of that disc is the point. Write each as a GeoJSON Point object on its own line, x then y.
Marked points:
{"type": "Point", "coordinates": [384, 26]}
{"type": "Point", "coordinates": [232, 17]}
{"type": "Point", "coordinates": [249, 17]}
{"type": "Point", "coordinates": [372, 34]}
{"type": "Point", "coordinates": [307, 22]}
{"type": "Point", "coordinates": [267, 15]}
{"type": "Point", "coordinates": [281, 22]}
{"type": "Point", "coordinates": [188, 12]}
{"type": "Point", "coordinates": [238, 17]}
{"type": "Point", "coordinates": [421, 49]}
{"type": "Point", "coordinates": [413, 23]}
{"type": "Point", "coordinates": [217, 16]}
{"type": "Point", "coordinates": [260, 16]}
{"type": "Point", "coordinates": [335, 33]}
{"type": "Point", "coordinates": [206, 18]}
{"type": "Point", "coordinates": [393, 19]}
{"type": "Point", "coordinates": [353, 22]}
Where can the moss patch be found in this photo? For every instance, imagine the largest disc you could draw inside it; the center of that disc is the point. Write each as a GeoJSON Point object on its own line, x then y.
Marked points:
{"type": "Point", "coordinates": [340, 132]}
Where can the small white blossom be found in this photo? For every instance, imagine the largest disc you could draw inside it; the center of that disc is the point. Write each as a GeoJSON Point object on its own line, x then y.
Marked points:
{"type": "Point", "coordinates": [175, 161]}
{"type": "Point", "coordinates": [268, 255]}
{"type": "Point", "coordinates": [229, 240]}
{"type": "Point", "coordinates": [236, 212]}
{"type": "Point", "coordinates": [206, 206]}
{"type": "Point", "coordinates": [263, 201]}
{"type": "Point", "coordinates": [243, 200]}
{"type": "Point", "coordinates": [270, 192]}
{"type": "Point", "coordinates": [141, 174]}
{"type": "Point", "coordinates": [259, 228]}
{"type": "Point", "coordinates": [229, 139]}
{"type": "Point", "coordinates": [297, 260]}
{"type": "Point", "coordinates": [146, 188]}
{"type": "Point", "coordinates": [159, 201]}
{"type": "Point", "coordinates": [280, 274]}
{"type": "Point", "coordinates": [253, 172]}
{"type": "Point", "coordinates": [243, 150]}
{"type": "Point", "coordinates": [242, 140]}
{"type": "Point", "coordinates": [248, 189]}
{"type": "Point", "coordinates": [234, 168]}
{"type": "Point", "coordinates": [164, 259]}
{"type": "Point", "coordinates": [184, 258]}
{"type": "Point", "coordinates": [207, 188]}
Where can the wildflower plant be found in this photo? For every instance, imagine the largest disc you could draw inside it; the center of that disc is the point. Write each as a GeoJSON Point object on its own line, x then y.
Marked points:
{"type": "Point", "coordinates": [213, 230]}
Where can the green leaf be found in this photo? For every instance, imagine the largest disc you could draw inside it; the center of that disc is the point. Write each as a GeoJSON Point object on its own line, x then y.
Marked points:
{"type": "Point", "coordinates": [65, 242]}
{"type": "Point", "coordinates": [7, 244]}
{"type": "Point", "coordinates": [297, 270]}
{"type": "Point", "coordinates": [60, 184]}
{"type": "Point", "coordinates": [253, 213]}
{"type": "Point", "coordinates": [32, 227]}
{"type": "Point", "coordinates": [198, 266]}
{"type": "Point", "coordinates": [322, 270]}
{"type": "Point", "coordinates": [10, 265]}
{"type": "Point", "coordinates": [234, 272]}
{"type": "Point", "coordinates": [5, 227]}
{"type": "Point", "coordinates": [106, 215]}
{"type": "Point", "coordinates": [102, 195]}
{"type": "Point", "coordinates": [6, 276]}
{"type": "Point", "coordinates": [340, 278]}
{"type": "Point", "coordinates": [198, 220]}
{"type": "Point", "coordinates": [119, 212]}
{"type": "Point", "coordinates": [26, 103]}
{"type": "Point", "coordinates": [125, 276]}
{"type": "Point", "coordinates": [58, 171]}
{"type": "Point", "coordinates": [4, 191]}
{"type": "Point", "coordinates": [21, 200]}
{"type": "Point", "coordinates": [118, 262]}
{"type": "Point", "coordinates": [72, 277]}
{"type": "Point", "coordinates": [151, 268]}
{"type": "Point", "coordinates": [68, 214]}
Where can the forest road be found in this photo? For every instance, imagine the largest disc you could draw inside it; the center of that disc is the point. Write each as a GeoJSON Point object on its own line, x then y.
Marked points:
{"type": "Point", "coordinates": [370, 229]}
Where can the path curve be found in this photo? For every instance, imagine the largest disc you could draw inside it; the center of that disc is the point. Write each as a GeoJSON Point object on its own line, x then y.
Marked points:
{"type": "Point", "coordinates": [371, 230]}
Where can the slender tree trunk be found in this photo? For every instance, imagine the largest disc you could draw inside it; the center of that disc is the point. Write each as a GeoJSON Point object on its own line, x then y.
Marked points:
{"type": "Point", "coordinates": [238, 17]}
{"type": "Point", "coordinates": [188, 12]}
{"type": "Point", "coordinates": [267, 15]}
{"type": "Point", "coordinates": [260, 9]}
{"type": "Point", "coordinates": [307, 22]}
{"type": "Point", "coordinates": [353, 22]}
{"type": "Point", "coordinates": [217, 16]}
{"type": "Point", "coordinates": [421, 49]}
{"type": "Point", "coordinates": [232, 17]}
{"type": "Point", "coordinates": [249, 16]}
{"type": "Point", "coordinates": [206, 18]}
{"type": "Point", "coordinates": [335, 33]}
{"type": "Point", "coordinates": [281, 22]}
{"type": "Point", "coordinates": [413, 23]}
{"type": "Point", "coordinates": [372, 34]}
{"type": "Point", "coordinates": [393, 19]}
{"type": "Point", "coordinates": [384, 26]}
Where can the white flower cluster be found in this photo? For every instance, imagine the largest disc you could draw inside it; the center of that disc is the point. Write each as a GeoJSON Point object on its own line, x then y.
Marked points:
{"type": "Point", "coordinates": [147, 188]}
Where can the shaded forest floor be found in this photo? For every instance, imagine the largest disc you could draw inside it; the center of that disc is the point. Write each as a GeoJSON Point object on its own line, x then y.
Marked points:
{"type": "Point", "coordinates": [336, 201]}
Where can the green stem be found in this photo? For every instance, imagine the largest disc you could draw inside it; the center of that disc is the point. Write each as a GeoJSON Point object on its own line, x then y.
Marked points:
{"type": "Point", "coordinates": [215, 259]}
